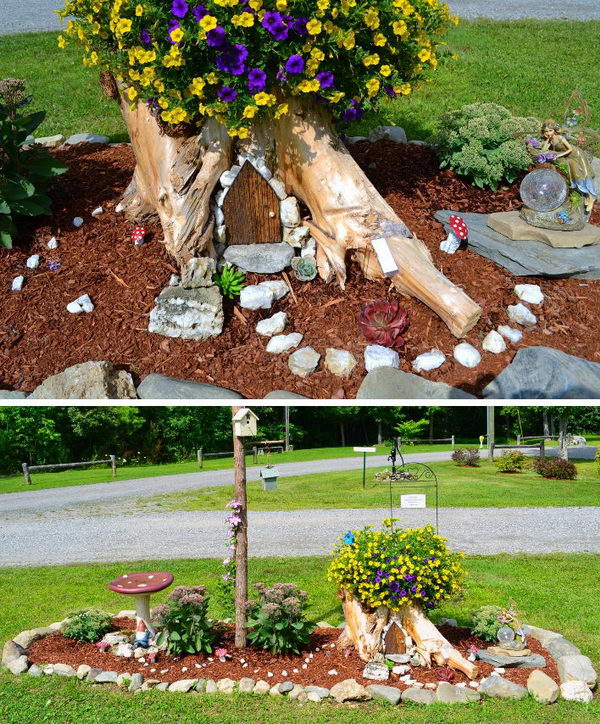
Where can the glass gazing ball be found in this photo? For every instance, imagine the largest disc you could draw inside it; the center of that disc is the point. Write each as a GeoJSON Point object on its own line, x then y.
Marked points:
{"type": "Point", "coordinates": [506, 635]}
{"type": "Point", "coordinates": [543, 190]}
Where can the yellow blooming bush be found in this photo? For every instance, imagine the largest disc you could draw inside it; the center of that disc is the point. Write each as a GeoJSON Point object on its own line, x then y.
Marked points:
{"type": "Point", "coordinates": [393, 567]}
{"type": "Point", "coordinates": [236, 59]}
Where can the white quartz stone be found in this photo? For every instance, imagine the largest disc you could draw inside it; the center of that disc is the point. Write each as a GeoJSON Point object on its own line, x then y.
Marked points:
{"type": "Point", "coordinates": [53, 243]}
{"type": "Point", "coordinates": [278, 287]}
{"type": "Point", "coordinates": [17, 283]}
{"type": "Point", "coordinates": [228, 177]}
{"type": "Point", "coordinates": [494, 342]}
{"type": "Point", "coordinates": [74, 308]}
{"type": "Point", "coordinates": [514, 335]}
{"type": "Point", "coordinates": [220, 197]}
{"type": "Point", "coordinates": [530, 293]}
{"type": "Point", "coordinates": [284, 342]}
{"type": "Point", "coordinates": [378, 356]}
{"type": "Point", "coordinates": [272, 325]}
{"type": "Point", "coordinates": [289, 212]}
{"type": "Point", "coordinates": [77, 222]}
{"type": "Point", "coordinates": [429, 360]}
{"type": "Point", "coordinates": [98, 211]}
{"type": "Point", "coordinates": [256, 297]}
{"type": "Point", "coordinates": [521, 315]}
{"type": "Point", "coordinates": [466, 355]}
{"type": "Point", "coordinates": [33, 262]}
{"type": "Point", "coordinates": [278, 187]}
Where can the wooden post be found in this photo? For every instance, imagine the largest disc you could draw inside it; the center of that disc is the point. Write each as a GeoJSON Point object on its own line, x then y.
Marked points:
{"type": "Point", "coordinates": [254, 455]}
{"type": "Point", "coordinates": [200, 457]}
{"type": "Point", "coordinates": [453, 442]}
{"type": "Point", "coordinates": [518, 439]}
{"type": "Point", "coordinates": [26, 474]}
{"type": "Point", "coordinates": [113, 465]}
{"type": "Point", "coordinates": [543, 449]}
{"type": "Point", "coordinates": [241, 540]}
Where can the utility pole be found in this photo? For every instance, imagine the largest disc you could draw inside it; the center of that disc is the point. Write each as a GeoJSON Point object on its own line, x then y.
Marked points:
{"type": "Point", "coordinates": [241, 539]}
{"type": "Point", "coordinates": [287, 428]}
{"type": "Point", "coordinates": [491, 433]}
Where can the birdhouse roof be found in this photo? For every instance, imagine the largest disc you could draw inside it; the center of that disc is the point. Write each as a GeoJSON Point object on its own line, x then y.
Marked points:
{"type": "Point", "coordinates": [241, 414]}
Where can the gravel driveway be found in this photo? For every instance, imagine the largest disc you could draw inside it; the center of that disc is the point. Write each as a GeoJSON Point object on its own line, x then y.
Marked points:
{"type": "Point", "coordinates": [18, 16]}
{"type": "Point", "coordinates": [294, 533]}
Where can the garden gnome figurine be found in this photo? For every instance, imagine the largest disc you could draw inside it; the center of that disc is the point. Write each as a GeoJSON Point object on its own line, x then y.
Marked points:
{"type": "Point", "coordinates": [142, 635]}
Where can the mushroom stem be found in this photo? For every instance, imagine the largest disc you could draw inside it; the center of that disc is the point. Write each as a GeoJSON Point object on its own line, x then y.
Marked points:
{"type": "Point", "coordinates": [142, 610]}
{"type": "Point", "coordinates": [450, 244]}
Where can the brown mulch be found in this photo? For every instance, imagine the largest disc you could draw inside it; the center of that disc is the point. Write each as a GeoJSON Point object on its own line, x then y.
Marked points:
{"type": "Point", "coordinates": [38, 338]}
{"type": "Point", "coordinates": [56, 649]}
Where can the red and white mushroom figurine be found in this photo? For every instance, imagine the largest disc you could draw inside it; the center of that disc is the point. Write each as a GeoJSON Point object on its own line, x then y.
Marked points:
{"type": "Point", "coordinates": [141, 585]}
{"type": "Point", "coordinates": [137, 235]}
{"type": "Point", "coordinates": [459, 232]}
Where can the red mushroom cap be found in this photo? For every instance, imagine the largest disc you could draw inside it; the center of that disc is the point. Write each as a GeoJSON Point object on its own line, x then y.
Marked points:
{"type": "Point", "coordinates": [136, 583]}
{"type": "Point", "coordinates": [458, 226]}
{"type": "Point", "coordinates": [138, 233]}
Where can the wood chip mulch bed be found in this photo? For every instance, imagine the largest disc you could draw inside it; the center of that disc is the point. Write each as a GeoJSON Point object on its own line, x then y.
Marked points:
{"type": "Point", "coordinates": [57, 649]}
{"type": "Point", "coordinates": [39, 338]}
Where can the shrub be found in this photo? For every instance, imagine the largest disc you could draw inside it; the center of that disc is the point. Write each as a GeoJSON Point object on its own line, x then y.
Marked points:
{"type": "Point", "coordinates": [555, 468]}
{"type": "Point", "coordinates": [277, 621]}
{"type": "Point", "coordinates": [411, 430]}
{"type": "Point", "coordinates": [486, 622]}
{"type": "Point", "coordinates": [230, 281]}
{"type": "Point", "coordinates": [481, 141]}
{"type": "Point", "coordinates": [25, 169]}
{"type": "Point", "coordinates": [88, 625]}
{"type": "Point", "coordinates": [183, 621]}
{"type": "Point", "coordinates": [511, 461]}
{"type": "Point", "coordinates": [238, 62]}
{"type": "Point", "coordinates": [393, 567]}
{"type": "Point", "coordinates": [468, 457]}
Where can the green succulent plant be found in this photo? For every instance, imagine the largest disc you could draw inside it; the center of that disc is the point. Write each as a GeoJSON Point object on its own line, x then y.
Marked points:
{"type": "Point", "coordinates": [305, 268]}
{"type": "Point", "coordinates": [230, 281]}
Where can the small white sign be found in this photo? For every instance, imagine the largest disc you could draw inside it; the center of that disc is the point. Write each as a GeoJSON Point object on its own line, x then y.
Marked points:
{"type": "Point", "coordinates": [365, 449]}
{"type": "Point", "coordinates": [413, 501]}
{"type": "Point", "coordinates": [385, 258]}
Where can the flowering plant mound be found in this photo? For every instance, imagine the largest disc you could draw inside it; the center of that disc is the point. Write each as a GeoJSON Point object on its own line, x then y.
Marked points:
{"type": "Point", "coordinates": [393, 567]}
{"type": "Point", "coordinates": [239, 59]}
{"type": "Point", "coordinates": [277, 620]}
{"type": "Point", "coordinates": [185, 628]}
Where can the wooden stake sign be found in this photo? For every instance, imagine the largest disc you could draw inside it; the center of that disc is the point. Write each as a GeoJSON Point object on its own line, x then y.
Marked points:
{"type": "Point", "coordinates": [251, 210]}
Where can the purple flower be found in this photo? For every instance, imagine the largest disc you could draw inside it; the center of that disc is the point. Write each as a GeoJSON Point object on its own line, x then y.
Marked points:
{"type": "Point", "coordinates": [257, 80]}
{"type": "Point", "coordinates": [325, 79]}
{"type": "Point", "coordinates": [545, 157]}
{"type": "Point", "coordinates": [233, 60]}
{"type": "Point", "coordinates": [409, 577]}
{"type": "Point", "coordinates": [294, 64]}
{"type": "Point", "coordinates": [389, 89]}
{"type": "Point", "coordinates": [280, 32]}
{"type": "Point", "coordinates": [227, 94]}
{"type": "Point", "coordinates": [533, 142]}
{"type": "Point", "coordinates": [145, 37]}
{"type": "Point", "coordinates": [281, 75]}
{"type": "Point", "coordinates": [199, 11]}
{"type": "Point", "coordinates": [299, 26]}
{"type": "Point", "coordinates": [394, 586]}
{"type": "Point", "coordinates": [403, 593]}
{"type": "Point", "coordinates": [270, 19]}
{"type": "Point", "coordinates": [413, 589]}
{"type": "Point", "coordinates": [216, 37]}
{"type": "Point", "coordinates": [179, 8]}
{"type": "Point", "coordinates": [353, 112]}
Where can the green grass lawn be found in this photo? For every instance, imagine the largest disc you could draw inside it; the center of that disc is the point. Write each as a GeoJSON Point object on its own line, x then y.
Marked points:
{"type": "Point", "coordinates": [556, 591]}
{"type": "Point", "coordinates": [530, 66]}
{"type": "Point", "coordinates": [458, 487]}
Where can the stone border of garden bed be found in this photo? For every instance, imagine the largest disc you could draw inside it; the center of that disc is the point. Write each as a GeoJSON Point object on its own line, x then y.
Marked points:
{"type": "Point", "coordinates": [577, 676]}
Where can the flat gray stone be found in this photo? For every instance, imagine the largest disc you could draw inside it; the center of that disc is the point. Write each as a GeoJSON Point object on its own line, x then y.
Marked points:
{"type": "Point", "coordinates": [534, 661]}
{"type": "Point", "coordinates": [163, 686]}
{"type": "Point", "coordinates": [64, 670]}
{"type": "Point", "coordinates": [246, 685]}
{"type": "Point", "coordinates": [18, 666]}
{"type": "Point", "coordinates": [418, 696]}
{"type": "Point", "coordinates": [320, 690]}
{"type": "Point", "coordinates": [545, 373]}
{"type": "Point", "coordinates": [284, 395]}
{"type": "Point", "coordinates": [388, 383]}
{"type": "Point", "coordinates": [559, 646]}
{"type": "Point", "coordinates": [543, 635]}
{"type": "Point", "coordinates": [260, 258]}
{"type": "Point", "coordinates": [499, 688]}
{"type": "Point", "coordinates": [12, 395]}
{"type": "Point", "coordinates": [398, 658]}
{"type": "Point", "coordinates": [162, 387]}
{"type": "Point", "coordinates": [183, 685]}
{"type": "Point", "coordinates": [389, 694]}
{"type": "Point", "coordinates": [527, 258]}
{"type": "Point", "coordinates": [195, 313]}
{"type": "Point", "coordinates": [10, 652]}
{"type": "Point", "coordinates": [136, 682]}
{"type": "Point", "coordinates": [447, 693]}
{"type": "Point", "coordinates": [577, 667]}
{"type": "Point", "coordinates": [86, 381]}
{"type": "Point", "coordinates": [86, 138]}
{"type": "Point", "coordinates": [93, 674]}
{"type": "Point", "coordinates": [106, 677]}
{"type": "Point", "coordinates": [285, 687]}
{"type": "Point", "coordinates": [35, 670]}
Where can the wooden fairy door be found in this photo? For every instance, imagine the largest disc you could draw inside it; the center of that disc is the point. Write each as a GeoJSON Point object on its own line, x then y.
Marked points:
{"type": "Point", "coordinates": [251, 210]}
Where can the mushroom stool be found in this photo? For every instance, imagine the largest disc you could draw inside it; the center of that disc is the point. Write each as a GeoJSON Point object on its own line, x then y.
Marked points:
{"type": "Point", "coordinates": [142, 585]}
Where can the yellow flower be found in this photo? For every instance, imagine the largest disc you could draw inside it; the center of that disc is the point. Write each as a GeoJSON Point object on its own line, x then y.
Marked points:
{"type": "Point", "coordinates": [264, 99]}
{"type": "Point", "coordinates": [371, 60]}
{"type": "Point", "coordinates": [208, 22]}
{"type": "Point", "coordinates": [282, 110]}
{"type": "Point", "coordinates": [329, 27]}
{"type": "Point", "coordinates": [309, 86]}
{"type": "Point", "coordinates": [379, 39]}
{"type": "Point", "coordinates": [245, 20]}
{"type": "Point", "coordinates": [322, 4]}
{"type": "Point", "coordinates": [163, 102]}
{"type": "Point", "coordinates": [281, 5]}
{"type": "Point", "coordinates": [176, 35]}
{"type": "Point", "coordinates": [250, 111]}
{"type": "Point", "coordinates": [61, 42]}
{"type": "Point", "coordinates": [385, 70]}
{"type": "Point", "coordinates": [314, 27]}
{"type": "Point", "coordinates": [371, 18]}
{"type": "Point", "coordinates": [159, 85]}
{"type": "Point", "coordinates": [349, 41]}
{"type": "Point", "coordinates": [399, 27]}
{"type": "Point", "coordinates": [256, 5]}
{"type": "Point", "coordinates": [424, 54]}
{"type": "Point", "coordinates": [132, 94]}
{"type": "Point", "coordinates": [197, 87]}
{"type": "Point", "coordinates": [123, 26]}
{"type": "Point", "coordinates": [317, 54]}
{"type": "Point", "coordinates": [139, 10]}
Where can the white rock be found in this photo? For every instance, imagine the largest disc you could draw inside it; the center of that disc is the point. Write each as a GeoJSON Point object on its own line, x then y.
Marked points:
{"type": "Point", "coordinates": [289, 212]}
{"type": "Point", "coordinates": [332, 672]}
{"type": "Point", "coordinates": [401, 669]}
{"type": "Point", "coordinates": [272, 325]}
{"type": "Point", "coordinates": [576, 691]}
{"type": "Point", "coordinates": [378, 356]}
{"type": "Point", "coordinates": [297, 237]}
{"type": "Point", "coordinates": [33, 262]}
{"type": "Point", "coordinates": [304, 361]}
{"type": "Point", "coordinates": [529, 293]}
{"type": "Point", "coordinates": [220, 197]}
{"type": "Point", "coordinates": [284, 342]}
{"type": "Point", "coordinates": [466, 355]}
{"type": "Point", "coordinates": [277, 287]}
{"type": "Point", "coordinates": [53, 243]}
{"type": "Point", "coordinates": [222, 234]}
{"type": "Point", "coordinates": [474, 684]}
{"type": "Point", "coordinates": [263, 169]}
{"type": "Point", "coordinates": [431, 686]}
{"type": "Point", "coordinates": [450, 244]}
{"type": "Point", "coordinates": [174, 281]}
{"type": "Point", "coordinates": [228, 177]}
{"type": "Point", "coordinates": [278, 187]}
{"type": "Point", "coordinates": [514, 335]}
{"type": "Point", "coordinates": [98, 212]}
{"type": "Point", "coordinates": [77, 222]}
{"type": "Point", "coordinates": [119, 208]}
{"type": "Point", "coordinates": [494, 342]}
{"type": "Point", "coordinates": [388, 133]}
{"type": "Point", "coordinates": [256, 297]}
{"type": "Point", "coordinates": [17, 283]}
{"type": "Point", "coordinates": [85, 302]}
{"type": "Point", "coordinates": [500, 670]}
{"type": "Point", "coordinates": [74, 308]}
{"type": "Point", "coordinates": [125, 651]}
{"type": "Point", "coordinates": [219, 216]}
{"type": "Point", "coordinates": [521, 315]}
{"type": "Point", "coordinates": [429, 360]}
{"type": "Point", "coordinates": [310, 248]}
{"type": "Point", "coordinates": [339, 362]}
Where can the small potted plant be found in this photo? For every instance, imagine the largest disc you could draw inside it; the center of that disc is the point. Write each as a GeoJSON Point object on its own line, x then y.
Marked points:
{"type": "Point", "coordinates": [269, 475]}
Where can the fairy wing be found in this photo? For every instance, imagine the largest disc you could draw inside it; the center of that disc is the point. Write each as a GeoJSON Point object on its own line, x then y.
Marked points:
{"type": "Point", "coordinates": [577, 117]}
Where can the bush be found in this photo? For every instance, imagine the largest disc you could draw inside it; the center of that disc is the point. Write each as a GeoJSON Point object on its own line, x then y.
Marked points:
{"type": "Point", "coordinates": [25, 169]}
{"type": "Point", "coordinates": [277, 621]}
{"type": "Point", "coordinates": [482, 142]}
{"type": "Point", "coordinates": [468, 457]}
{"type": "Point", "coordinates": [555, 468]}
{"type": "Point", "coordinates": [183, 621]}
{"type": "Point", "coordinates": [511, 461]}
{"type": "Point", "coordinates": [238, 62]}
{"type": "Point", "coordinates": [393, 567]}
{"type": "Point", "coordinates": [88, 625]}
{"type": "Point", "coordinates": [486, 622]}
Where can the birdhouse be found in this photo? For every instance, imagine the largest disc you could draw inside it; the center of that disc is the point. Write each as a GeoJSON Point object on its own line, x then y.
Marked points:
{"type": "Point", "coordinates": [244, 423]}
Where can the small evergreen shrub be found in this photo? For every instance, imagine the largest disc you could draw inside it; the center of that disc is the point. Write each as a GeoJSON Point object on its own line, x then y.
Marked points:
{"type": "Point", "coordinates": [88, 625]}
{"type": "Point", "coordinates": [185, 628]}
{"type": "Point", "coordinates": [482, 141]}
{"type": "Point", "coordinates": [486, 622]}
{"type": "Point", "coordinates": [466, 458]}
{"type": "Point", "coordinates": [277, 620]}
{"type": "Point", "coordinates": [555, 468]}
{"type": "Point", "coordinates": [511, 461]}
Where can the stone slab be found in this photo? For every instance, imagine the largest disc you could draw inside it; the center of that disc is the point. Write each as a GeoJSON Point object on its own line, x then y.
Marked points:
{"type": "Point", "coordinates": [510, 224]}
{"type": "Point", "coordinates": [162, 387]}
{"type": "Point", "coordinates": [527, 258]}
{"type": "Point", "coordinates": [389, 383]}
